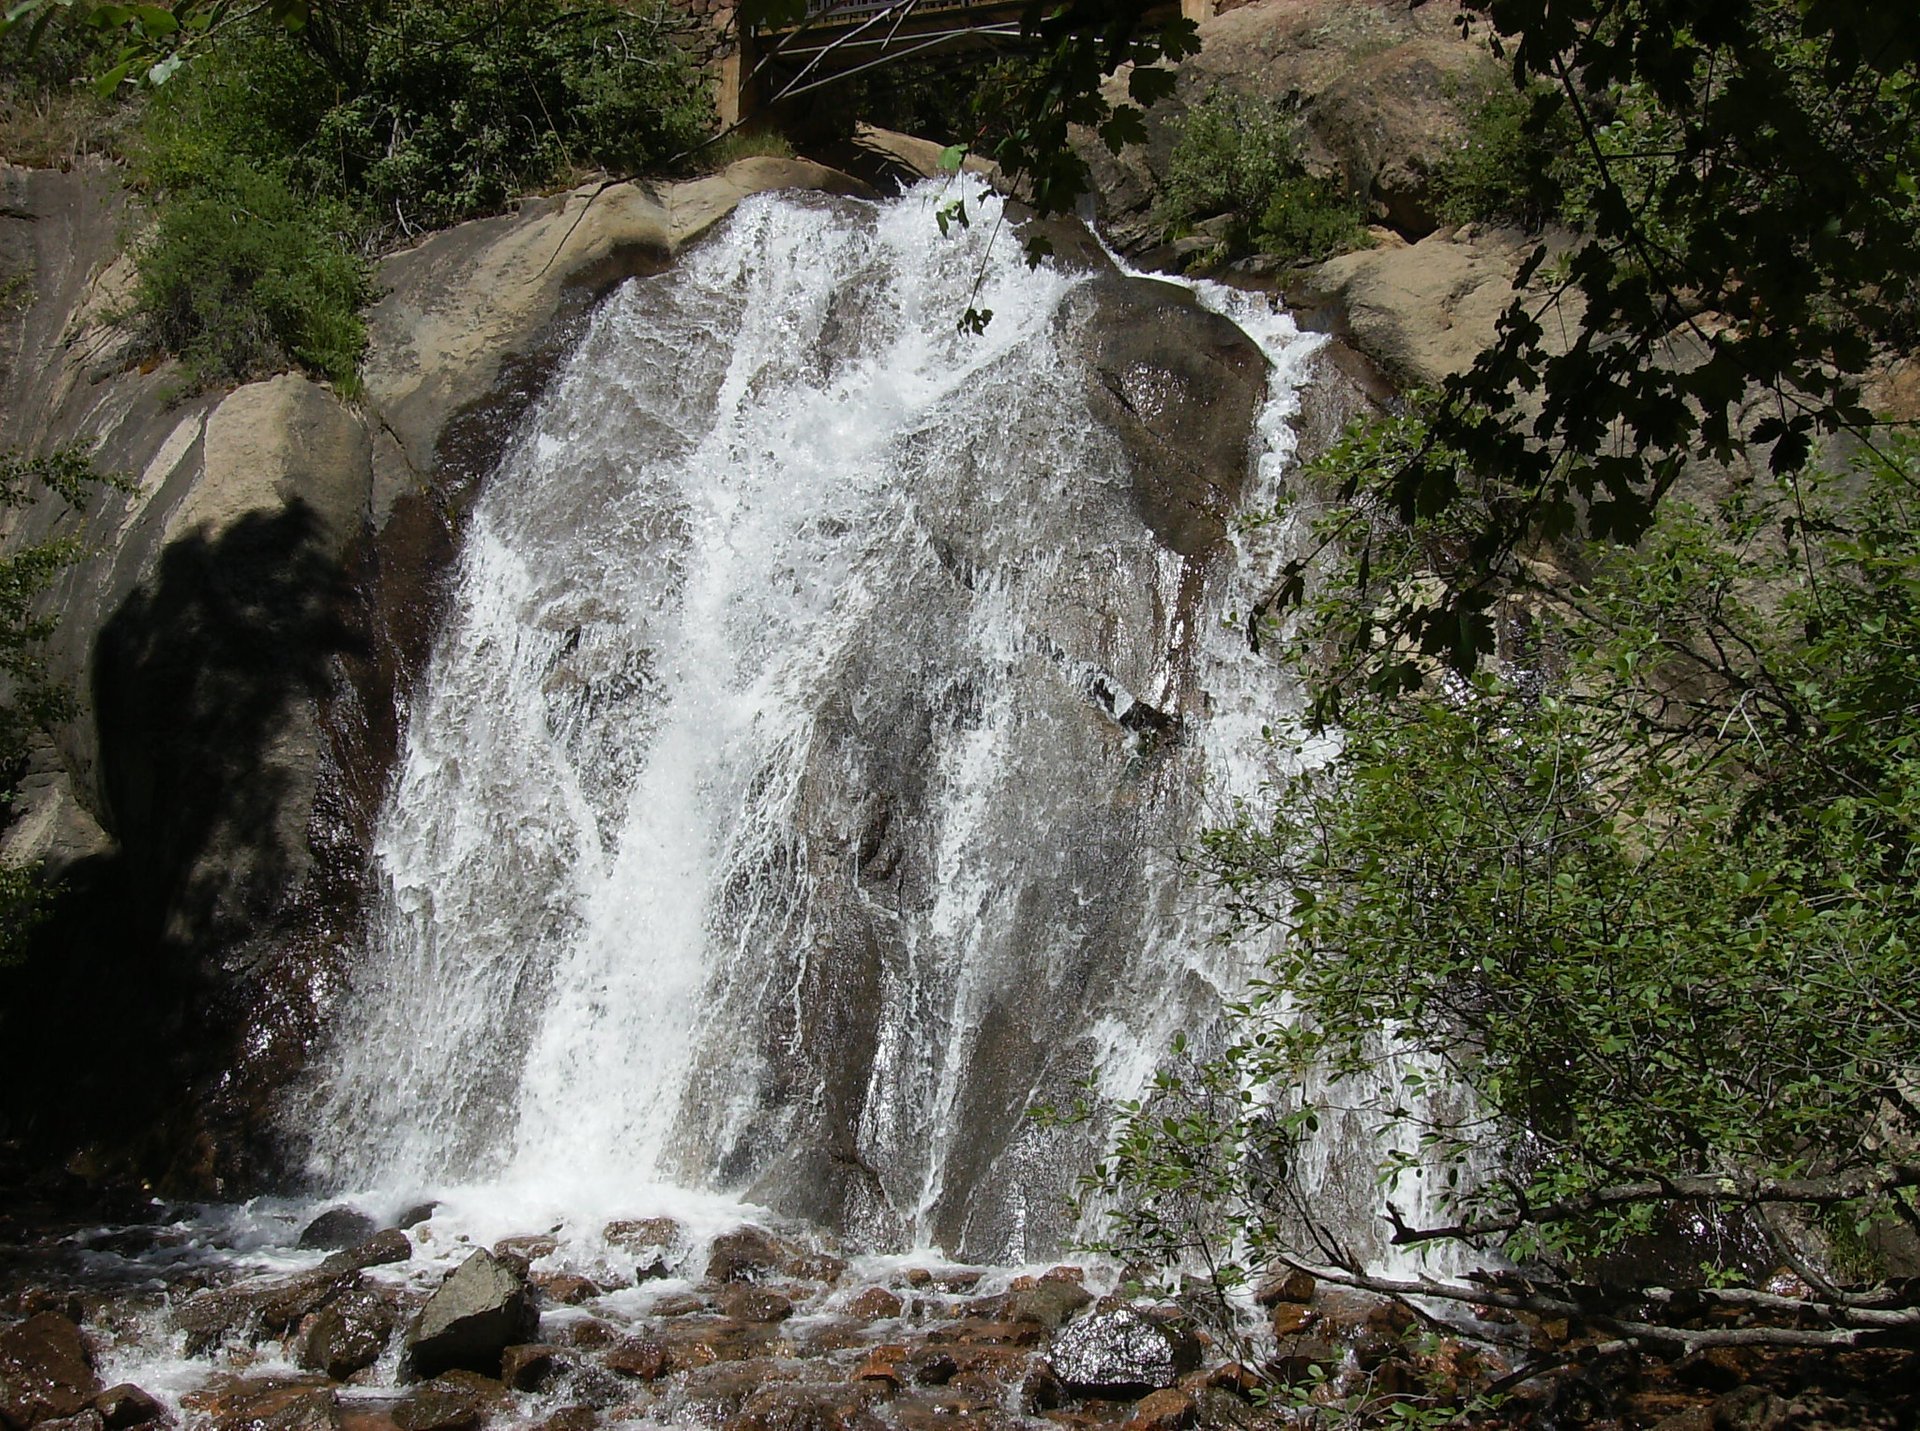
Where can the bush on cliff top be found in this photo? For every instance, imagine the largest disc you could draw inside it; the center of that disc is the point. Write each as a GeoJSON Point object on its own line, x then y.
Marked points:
{"type": "Point", "coordinates": [1239, 158]}
{"type": "Point", "coordinates": [282, 159]}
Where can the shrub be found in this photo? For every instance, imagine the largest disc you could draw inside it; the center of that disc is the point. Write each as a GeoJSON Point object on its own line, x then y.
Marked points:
{"type": "Point", "coordinates": [244, 275]}
{"type": "Point", "coordinates": [1512, 168]}
{"type": "Point", "coordinates": [1239, 158]}
{"type": "Point", "coordinates": [282, 157]}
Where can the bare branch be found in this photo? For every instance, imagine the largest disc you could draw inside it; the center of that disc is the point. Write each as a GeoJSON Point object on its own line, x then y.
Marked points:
{"type": "Point", "coordinates": [1732, 1189]}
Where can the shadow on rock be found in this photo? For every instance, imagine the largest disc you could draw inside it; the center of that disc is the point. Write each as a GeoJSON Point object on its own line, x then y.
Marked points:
{"type": "Point", "coordinates": [136, 1018]}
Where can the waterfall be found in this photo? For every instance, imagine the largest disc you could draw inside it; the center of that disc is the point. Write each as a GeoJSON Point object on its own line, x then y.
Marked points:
{"type": "Point", "coordinates": [773, 816]}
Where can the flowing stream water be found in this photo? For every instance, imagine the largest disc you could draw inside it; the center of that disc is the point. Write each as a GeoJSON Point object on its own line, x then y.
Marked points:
{"type": "Point", "coordinates": [769, 820]}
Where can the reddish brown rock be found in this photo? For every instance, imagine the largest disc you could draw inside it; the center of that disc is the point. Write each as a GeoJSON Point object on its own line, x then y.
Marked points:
{"type": "Point", "coordinates": [1287, 1284]}
{"type": "Point", "coordinates": [1065, 1272]}
{"type": "Point", "coordinates": [569, 1289]}
{"type": "Point", "coordinates": [642, 1235]}
{"type": "Point", "coordinates": [975, 1330]}
{"type": "Point", "coordinates": [46, 1370]}
{"type": "Point", "coordinates": [806, 1408]}
{"type": "Point", "coordinates": [588, 1332]}
{"type": "Point", "coordinates": [885, 1364]}
{"type": "Point", "coordinates": [1289, 1319]}
{"type": "Point", "coordinates": [277, 1406]}
{"type": "Point", "coordinates": [1165, 1410]}
{"type": "Point", "coordinates": [747, 1254]}
{"type": "Point", "coordinates": [530, 1366]}
{"type": "Point", "coordinates": [452, 1401]}
{"type": "Point", "coordinates": [746, 1303]}
{"type": "Point", "coordinates": [380, 1250]}
{"type": "Point", "coordinates": [347, 1334]}
{"type": "Point", "coordinates": [646, 1359]}
{"type": "Point", "coordinates": [874, 1304]}
{"type": "Point", "coordinates": [126, 1405]}
{"type": "Point", "coordinates": [528, 1246]}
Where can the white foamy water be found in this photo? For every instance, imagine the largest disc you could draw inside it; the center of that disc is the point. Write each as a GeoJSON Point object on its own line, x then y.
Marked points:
{"type": "Point", "coordinates": [767, 825]}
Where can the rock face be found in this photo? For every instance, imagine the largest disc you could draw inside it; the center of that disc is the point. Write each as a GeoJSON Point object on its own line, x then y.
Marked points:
{"type": "Point", "coordinates": [483, 1308]}
{"type": "Point", "coordinates": [242, 631]}
{"type": "Point", "coordinates": [1381, 88]}
{"type": "Point", "coordinates": [1181, 386]}
{"type": "Point", "coordinates": [1423, 311]}
{"type": "Point", "coordinates": [1120, 1352]}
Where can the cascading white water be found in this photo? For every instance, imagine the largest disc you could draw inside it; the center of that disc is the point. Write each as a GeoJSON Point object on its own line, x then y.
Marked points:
{"type": "Point", "coordinates": [766, 821]}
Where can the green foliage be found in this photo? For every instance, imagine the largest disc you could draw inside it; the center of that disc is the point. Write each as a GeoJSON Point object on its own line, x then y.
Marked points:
{"type": "Point", "coordinates": [1635, 913]}
{"type": "Point", "coordinates": [33, 701]}
{"type": "Point", "coordinates": [1516, 163]}
{"type": "Point", "coordinates": [48, 110]}
{"type": "Point", "coordinates": [1239, 158]}
{"type": "Point", "coordinates": [284, 156]}
{"type": "Point", "coordinates": [1745, 186]}
{"type": "Point", "coordinates": [244, 275]}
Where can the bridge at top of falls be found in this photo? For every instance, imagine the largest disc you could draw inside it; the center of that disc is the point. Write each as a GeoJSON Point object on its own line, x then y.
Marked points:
{"type": "Point", "coordinates": [843, 37]}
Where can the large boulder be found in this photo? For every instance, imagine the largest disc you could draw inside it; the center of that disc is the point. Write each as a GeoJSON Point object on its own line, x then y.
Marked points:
{"type": "Point", "coordinates": [1422, 312]}
{"type": "Point", "coordinates": [338, 1228]}
{"type": "Point", "coordinates": [1121, 1353]}
{"type": "Point", "coordinates": [1181, 386]}
{"type": "Point", "coordinates": [46, 1371]}
{"type": "Point", "coordinates": [482, 1308]}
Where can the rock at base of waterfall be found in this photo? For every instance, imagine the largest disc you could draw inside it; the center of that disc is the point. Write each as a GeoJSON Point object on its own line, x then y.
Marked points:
{"type": "Point", "coordinates": [643, 1235]}
{"type": "Point", "coordinates": [1048, 1302]}
{"type": "Point", "coordinates": [380, 1250]}
{"type": "Point", "coordinates": [745, 1303]}
{"type": "Point", "coordinates": [347, 1334]}
{"type": "Point", "coordinates": [750, 1254]}
{"type": "Point", "coordinates": [447, 1403]}
{"type": "Point", "coordinates": [1121, 1353]}
{"type": "Point", "coordinates": [483, 1308]}
{"type": "Point", "coordinates": [1040, 1390]}
{"type": "Point", "coordinates": [1285, 1284]}
{"type": "Point", "coordinates": [1165, 1410]}
{"type": "Point", "coordinates": [807, 1408]}
{"type": "Point", "coordinates": [569, 1289]}
{"type": "Point", "coordinates": [528, 1247]}
{"type": "Point", "coordinates": [127, 1405]}
{"type": "Point", "coordinates": [532, 1366]}
{"type": "Point", "coordinates": [46, 1371]}
{"type": "Point", "coordinates": [875, 1304]}
{"type": "Point", "coordinates": [274, 1406]}
{"type": "Point", "coordinates": [336, 1228]}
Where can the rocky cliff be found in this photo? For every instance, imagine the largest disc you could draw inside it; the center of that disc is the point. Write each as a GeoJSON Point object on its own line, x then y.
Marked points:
{"type": "Point", "coordinates": [242, 631]}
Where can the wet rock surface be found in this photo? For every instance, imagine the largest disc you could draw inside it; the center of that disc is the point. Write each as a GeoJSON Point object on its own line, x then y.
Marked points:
{"type": "Point", "coordinates": [477, 1313]}
{"type": "Point", "coordinates": [1120, 1352]}
{"type": "Point", "coordinates": [877, 1346]}
{"type": "Point", "coordinates": [46, 1371]}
